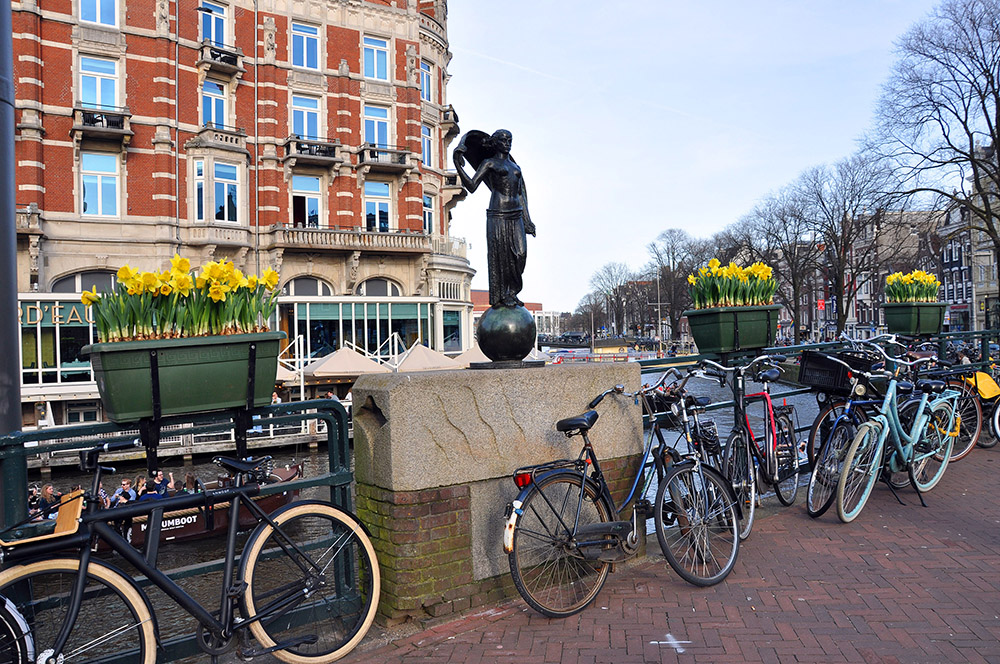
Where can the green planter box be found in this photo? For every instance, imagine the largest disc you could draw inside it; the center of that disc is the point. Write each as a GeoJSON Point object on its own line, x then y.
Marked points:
{"type": "Point", "coordinates": [727, 329]}
{"type": "Point", "coordinates": [196, 374]}
{"type": "Point", "coordinates": [914, 317]}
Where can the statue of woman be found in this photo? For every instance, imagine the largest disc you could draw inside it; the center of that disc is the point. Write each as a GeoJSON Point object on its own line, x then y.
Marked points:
{"type": "Point", "coordinates": [507, 219]}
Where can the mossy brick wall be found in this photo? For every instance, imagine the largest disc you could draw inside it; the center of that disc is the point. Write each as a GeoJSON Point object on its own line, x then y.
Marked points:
{"type": "Point", "coordinates": [424, 544]}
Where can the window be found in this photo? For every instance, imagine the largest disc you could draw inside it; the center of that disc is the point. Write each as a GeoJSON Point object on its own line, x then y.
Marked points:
{"type": "Point", "coordinates": [307, 287]}
{"type": "Point", "coordinates": [377, 126]}
{"type": "Point", "coordinates": [377, 207]}
{"type": "Point", "coordinates": [226, 192]}
{"type": "Point", "coordinates": [213, 104]}
{"type": "Point", "coordinates": [99, 171]}
{"type": "Point", "coordinates": [81, 412]}
{"type": "Point", "coordinates": [104, 282]}
{"type": "Point", "coordinates": [452, 329]}
{"type": "Point", "coordinates": [425, 80]}
{"type": "Point", "coordinates": [213, 24]}
{"type": "Point", "coordinates": [305, 117]}
{"type": "Point", "coordinates": [376, 59]}
{"type": "Point", "coordinates": [305, 201]}
{"type": "Point", "coordinates": [99, 11]}
{"type": "Point", "coordinates": [98, 83]}
{"type": "Point", "coordinates": [199, 190]}
{"type": "Point", "coordinates": [426, 154]}
{"type": "Point", "coordinates": [305, 46]}
{"type": "Point", "coordinates": [378, 288]}
{"type": "Point", "coordinates": [428, 215]}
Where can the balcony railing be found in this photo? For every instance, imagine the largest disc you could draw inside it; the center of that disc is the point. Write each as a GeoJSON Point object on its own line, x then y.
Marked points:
{"type": "Point", "coordinates": [221, 58]}
{"type": "Point", "coordinates": [386, 158]}
{"type": "Point", "coordinates": [451, 246]}
{"type": "Point", "coordinates": [216, 235]}
{"type": "Point", "coordinates": [105, 123]}
{"type": "Point", "coordinates": [312, 151]}
{"type": "Point", "coordinates": [449, 120]}
{"type": "Point", "coordinates": [350, 240]}
{"type": "Point", "coordinates": [217, 135]}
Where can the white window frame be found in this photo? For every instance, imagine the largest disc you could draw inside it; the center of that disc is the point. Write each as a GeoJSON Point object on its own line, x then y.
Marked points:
{"type": "Point", "coordinates": [100, 9]}
{"type": "Point", "coordinates": [101, 176]}
{"type": "Point", "coordinates": [376, 203]}
{"type": "Point", "coordinates": [427, 146]}
{"type": "Point", "coordinates": [305, 107]}
{"type": "Point", "coordinates": [214, 19]}
{"type": "Point", "coordinates": [302, 188]}
{"type": "Point", "coordinates": [220, 103]}
{"type": "Point", "coordinates": [227, 186]}
{"type": "Point", "coordinates": [307, 36]}
{"type": "Point", "coordinates": [373, 120]}
{"type": "Point", "coordinates": [375, 58]}
{"type": "Point", "coordinates": [200, 187]}
{"type": "Point", "coordinates": [426, 81]}
{"type": "Point", "coordinates": [428, 214]}
{"type": "Point", "coordinates": [100, 78]}
{"type": "Point", "coordinates": [205, 183]}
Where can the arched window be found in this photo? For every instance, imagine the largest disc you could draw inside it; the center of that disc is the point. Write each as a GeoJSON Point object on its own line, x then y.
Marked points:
{"type": "Point", "coordinates": [307, 287]}
{"type": "Point", "coordinates": [77, 283]}
{"type": "Point", "coordinates": [378, 288]}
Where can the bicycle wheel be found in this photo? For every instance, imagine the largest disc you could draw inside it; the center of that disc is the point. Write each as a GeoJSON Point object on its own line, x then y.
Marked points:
{"type": "Point", "coordinates": [16, 644]}
{"type": "Point", "coordinates": [553, 575]}
{"type": "Point", "coordinates": [822, 426]}
{"type": "Point", "coordinates": [320, 568]}
{"type": "Point", "coordinates": [932, 452]}
{"type": "Point", "coordinates": [739, 470]}
{"type": "Point", "coordinates": [114, 620]}
{"type": "Point", "coordinates": [990, 441]}
{"type": "Point", "coordinates": [826, 470]}
{"type": "Point", "coordinates": [861, 468]}
{"type": "Point", "coordinates": [787, 453]}
{"type": "Point", "coordinates": [900, 479]}
{"type": "Point", "coordinates": [697, 524]}
{"type": "Point", "coordinates": [971, 427]}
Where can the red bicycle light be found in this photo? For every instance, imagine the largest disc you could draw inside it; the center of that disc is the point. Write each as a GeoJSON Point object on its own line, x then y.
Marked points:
{"type": "Point", "coordinates": [522, 479]}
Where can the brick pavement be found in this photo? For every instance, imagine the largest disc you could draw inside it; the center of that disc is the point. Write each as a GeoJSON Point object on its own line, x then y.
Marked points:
{"type": "Point", "coordinates": [900, 584]}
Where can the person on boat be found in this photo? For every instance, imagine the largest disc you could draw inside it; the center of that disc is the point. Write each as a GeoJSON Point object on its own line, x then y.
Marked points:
{"type": "Point", "coordinates": [103, 496]}
{"type": "Point", "coordinates": [124, 494]}
{"type": "Point", "coordinates": [160, 484]}
{"type": "Point", "coordinates": [143, 491]}
{"type": "Point", "coordinates": [190, 484]}
{"type": "Point", "coordinates": [48, 498]}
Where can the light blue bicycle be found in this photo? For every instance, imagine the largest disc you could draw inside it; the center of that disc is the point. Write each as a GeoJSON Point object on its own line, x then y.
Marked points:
{"type": "Point", "coordinates": [922, 452]}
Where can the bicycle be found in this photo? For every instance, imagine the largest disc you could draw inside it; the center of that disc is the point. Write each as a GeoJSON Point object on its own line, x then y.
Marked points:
{"type": "Point", "coordinates": [923, 451]}
{"type": "Point", "coordinates": [306, 589]}
{"type": "Point", "coordinates": [561, 535]}
{"type": "Point", "coordinates": [775, 452]}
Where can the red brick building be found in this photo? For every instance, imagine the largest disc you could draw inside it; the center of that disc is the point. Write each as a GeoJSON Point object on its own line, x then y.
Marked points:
{"type": "Point", "coordinates": [310, 138]}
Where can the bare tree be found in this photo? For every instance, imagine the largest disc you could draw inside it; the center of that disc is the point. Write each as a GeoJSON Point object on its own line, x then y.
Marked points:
{"type": "Point", "coordinates": [939, 112]}
{"type": "Point", "coordinates": [842, 203]}
{"type": "Point", "coordinates": [781, 234]}
{"type": "Point", "coordinates": [610, 281]}
{"type": "Point", "coordinates": [590, 314]}
{"type": "Point", "coordinates": [672, 261]}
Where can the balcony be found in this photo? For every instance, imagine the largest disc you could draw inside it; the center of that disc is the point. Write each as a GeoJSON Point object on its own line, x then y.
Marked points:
{"type": "Point", "coordinates": [221, 59]}
{"type": "Point", "coordinates": [451, 246]}
{"type": "Point", "coordinates": [449, 121]}
{"type": "Point", "coordinates": [310, 152]}
{"type": "Point", "coordinates": [220, 137]}
{"type": "Point", "coordinates": [216, 235]}
{"type": "Point", "coordinates": [28, 221]}
{"type": "Point", "coordinates": [109, 123]}
{"type": "Point", "coordinates": [386, 159]}
{"type": "Point", "coordinates": [350, 239]}
{"type": "Point", "coordinates": [452, 192]}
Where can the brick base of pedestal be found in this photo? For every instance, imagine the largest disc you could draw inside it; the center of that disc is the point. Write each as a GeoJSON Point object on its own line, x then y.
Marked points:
{"type": "Point", "coordinates": [424, 544]}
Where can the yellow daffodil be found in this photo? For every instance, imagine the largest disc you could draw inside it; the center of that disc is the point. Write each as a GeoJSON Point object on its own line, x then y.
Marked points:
{"type": "Point", "coordinates": [180, 265]}
{"type": "Point", "coordinates": [218, 292]}
{"type": "Point", "coordinates": [126, 274]}
{"type": "Point", "coordinates": [90, 297]}
{"type": "Point", "coordinates": [182, 283]}
{"type": "Point", "coordinates": [270, 279]}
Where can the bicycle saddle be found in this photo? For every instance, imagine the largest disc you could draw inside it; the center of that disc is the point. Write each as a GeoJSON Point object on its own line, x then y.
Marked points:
{"type": "Point", "coordinates": [931, 386]}
{"type": "Point", "coordinates": [769, 375]}
{"type": "Point", "coordinates": [581, 422]}
{"type": "Point", "coordinates": [904, 387]}
{"type": "Point", "coordinates": [240, 466]}
{"type": "Point", "coordinates": [697, 402]}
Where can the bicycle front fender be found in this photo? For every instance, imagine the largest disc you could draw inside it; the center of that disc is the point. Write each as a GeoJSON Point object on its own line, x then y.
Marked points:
{"type": "Point", "coordinates": [514, 510]}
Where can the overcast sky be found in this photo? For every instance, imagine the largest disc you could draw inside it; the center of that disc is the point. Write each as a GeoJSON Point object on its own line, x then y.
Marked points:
{"type": "Point", "coordinates": [630, 118]}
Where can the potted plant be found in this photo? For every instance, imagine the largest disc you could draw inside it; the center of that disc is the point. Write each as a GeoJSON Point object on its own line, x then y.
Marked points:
{"type": "Point", "coordinates": [191, 334]}
{"type": "Point", "coordinates": [733, 307]}
{"type": "Point", "coordinates": [913, 306]}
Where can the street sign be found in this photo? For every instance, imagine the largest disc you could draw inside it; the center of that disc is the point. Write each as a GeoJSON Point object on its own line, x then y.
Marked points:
{"type": "Point", "coordinates": [821, 305]}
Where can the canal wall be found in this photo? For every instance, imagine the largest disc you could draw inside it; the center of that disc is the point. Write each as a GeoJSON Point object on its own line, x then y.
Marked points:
{"type": "Point", "coordinates": [434, 454]}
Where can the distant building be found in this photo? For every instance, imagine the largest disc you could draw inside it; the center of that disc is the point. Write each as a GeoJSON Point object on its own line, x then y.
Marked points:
{"type": "Point", "coordinates": [481, 302]}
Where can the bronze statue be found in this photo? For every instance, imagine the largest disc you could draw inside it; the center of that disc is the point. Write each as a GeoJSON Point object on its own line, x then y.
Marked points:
{"type": "Point", "coordinates": [507, 219]}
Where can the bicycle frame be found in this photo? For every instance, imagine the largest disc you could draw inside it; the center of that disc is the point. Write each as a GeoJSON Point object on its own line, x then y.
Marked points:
{"type": "Point", "coordinates": [94, 524]}
{"type": "Point", "coordinates": [891, 428]}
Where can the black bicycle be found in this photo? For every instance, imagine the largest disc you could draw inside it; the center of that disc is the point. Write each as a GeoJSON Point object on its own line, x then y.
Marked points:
{"type": "Point", "coordinates": [306, 588]}
{"type": "Point", "coordinates": [562, 536]}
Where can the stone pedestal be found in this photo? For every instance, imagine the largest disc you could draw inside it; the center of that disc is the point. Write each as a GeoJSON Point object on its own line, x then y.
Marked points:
{"type": "Point", "coordinates": [434, 453]}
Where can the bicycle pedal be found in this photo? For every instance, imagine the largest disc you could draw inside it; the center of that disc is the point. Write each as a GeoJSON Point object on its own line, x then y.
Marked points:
{"type": "Point", "coordinates": [236, 590]}
{"type": "Point", "coordinates": [308, 639]}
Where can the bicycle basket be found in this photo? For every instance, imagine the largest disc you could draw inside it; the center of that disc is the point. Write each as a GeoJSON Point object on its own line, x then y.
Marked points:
{"type": "Point", "coordinates": [819, 372]}
{"type": "Point", "coordinates": [708, 437]}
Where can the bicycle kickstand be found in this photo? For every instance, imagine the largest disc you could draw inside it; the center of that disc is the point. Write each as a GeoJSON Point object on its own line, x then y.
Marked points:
{"type": "Point", "coordinates": [892, 489]}
{"type": "Point", "coordinates": [920, 495]}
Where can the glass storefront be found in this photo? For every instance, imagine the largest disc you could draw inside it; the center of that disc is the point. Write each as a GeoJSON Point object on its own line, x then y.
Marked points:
{"type": "Point", "coordinates": [52, 334]}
